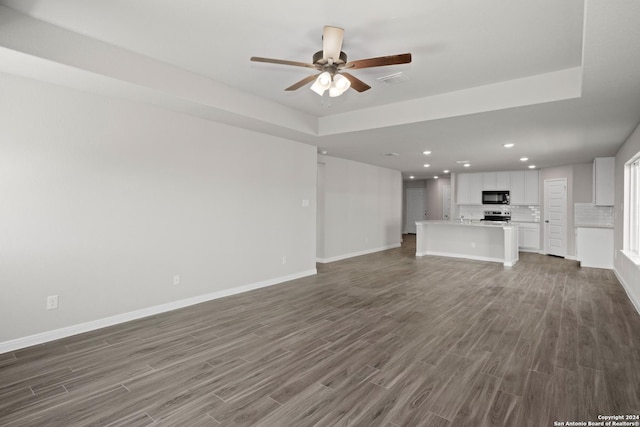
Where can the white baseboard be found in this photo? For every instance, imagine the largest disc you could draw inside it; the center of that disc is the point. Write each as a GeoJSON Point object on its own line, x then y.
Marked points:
{"type": "Point", "coordinates": [354, 254]}
{"type": "Point", "coordinates": [138, 314]}
{"type": "Point", "coordinates": [627, 289]}
{"type": "Point", "coordinates": [532, 250]}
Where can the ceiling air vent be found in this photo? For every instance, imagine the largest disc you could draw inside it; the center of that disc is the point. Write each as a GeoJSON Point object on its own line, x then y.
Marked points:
{"type": "Point", "coordinates": [391, 154]}
{"type": "Point", "coordinates": [394, 78]}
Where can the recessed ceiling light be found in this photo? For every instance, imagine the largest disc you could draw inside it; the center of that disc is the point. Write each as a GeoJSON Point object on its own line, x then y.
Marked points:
{"type": "Point", "coordinates": [411, 177]}
{"type": "Point", "coordinates": [435, 177]}
{"type": "Point", "coordinates": [426, 165]}
{"type": "Point", "coordinates": [524, 159]}
{"type": "Point", "coordinates": [446, 171]}
{"type": "Point", "coordinates": [426, 153]}
{"type": "Point", "coordinates": [532, 166]}
{"type": "Point", "coordinates": [509, 145]}
{"type": "Point", "coordinates": [466, 165]}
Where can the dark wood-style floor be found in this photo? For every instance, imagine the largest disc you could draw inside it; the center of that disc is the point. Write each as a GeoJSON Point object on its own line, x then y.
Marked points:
{"type": "Point", "coordinates": [384, 339]}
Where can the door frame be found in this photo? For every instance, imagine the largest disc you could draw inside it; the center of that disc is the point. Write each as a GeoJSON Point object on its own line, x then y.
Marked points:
{"type": "Point", "coordinates": [545, 223]}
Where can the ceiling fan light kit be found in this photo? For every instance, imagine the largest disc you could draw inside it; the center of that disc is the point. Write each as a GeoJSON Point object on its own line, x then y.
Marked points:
{"type": "Point", "coordinates": [330, 61]}
{"type": "Point", "coordinates": [322, 83]}
{"type": "Point", "coordinates": [339, 85]}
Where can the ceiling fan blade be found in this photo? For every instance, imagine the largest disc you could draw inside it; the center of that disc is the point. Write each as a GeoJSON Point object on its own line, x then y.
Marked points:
{"type": "Point", "coordinates": [380, 61]}
{"type": "Point", "coordinates": [282, 62]}
{"type": "Point", "coordinates": [302, 82]}
{"type": "Point", "coordinates": [332, 42]}
{"type": "Point", "coordinates": [356, 83]}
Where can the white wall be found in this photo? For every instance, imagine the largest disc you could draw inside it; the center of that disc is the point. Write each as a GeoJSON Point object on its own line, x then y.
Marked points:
{"type": "Point", "coordinates": [583, 183]}
{"type": "Point", "coordinates": [627, 271]}
{"type": "Point", "coordinates": [103, 201]}
{"type": "Point", "coordinates": [362, 209]}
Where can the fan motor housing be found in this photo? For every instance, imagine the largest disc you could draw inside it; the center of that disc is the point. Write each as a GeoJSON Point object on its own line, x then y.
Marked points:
{"type": "Point", "coordinates": [318, 59]}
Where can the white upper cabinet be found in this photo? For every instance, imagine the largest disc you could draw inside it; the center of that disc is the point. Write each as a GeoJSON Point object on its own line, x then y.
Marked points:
{"type": "Point", "coordinates": [463, 186]}
{"type": "Point", "coordinates": [531, 187]}
{"type": "Point", "coordinates": [489, 181]}
{"type": "Point", "coordinates": [495, 181]}
{"type": "Point", "coordinates": [503, 181]}
{"type": "Point", "coordinates": [476, 189]}
{"type": "Point", "coordinates": [522, 185]}
{"type": "Point", "coordinates": [603, 180]}
{"type": "Point", "coordinates": [516, 187]}
{"type": "Point", "coordinates": [469, 188]}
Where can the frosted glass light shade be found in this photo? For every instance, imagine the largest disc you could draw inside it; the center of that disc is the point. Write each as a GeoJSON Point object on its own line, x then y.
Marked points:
{"type": "Point", "coordinates": [339, 86]}
{"type": "Point", "coordinates": [322, 83]}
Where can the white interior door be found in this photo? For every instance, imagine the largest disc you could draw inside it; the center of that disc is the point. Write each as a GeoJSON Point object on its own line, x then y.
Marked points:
{"type": "Point", "coordinates": [415, 209]}
{"type": "Point", "coordinates": [555, 216]}
{"type": "Point", "coordinates": [446, 202]}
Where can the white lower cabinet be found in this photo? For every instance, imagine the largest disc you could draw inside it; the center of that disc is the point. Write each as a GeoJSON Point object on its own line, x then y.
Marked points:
{"type": "Point", "coordinates": [594, 247]}
{"type": "Point", "coordinates": [528, 236]}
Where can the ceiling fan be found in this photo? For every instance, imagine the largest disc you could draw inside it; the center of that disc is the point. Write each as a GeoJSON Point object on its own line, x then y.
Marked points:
{"type": "Point", "coordinates": [331, 61]}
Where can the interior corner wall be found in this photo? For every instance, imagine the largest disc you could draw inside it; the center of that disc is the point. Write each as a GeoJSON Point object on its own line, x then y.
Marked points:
{"type": "Point", "coordinates": [627, 271]}
{"type": "Point", "coordinates": [103, 201]}
{"type": "Point", "coordinates": [434, 194]}
{"type": "Point", "coordinates": [362, 209]}
{"type": "Point", "coordinates": [583, 183]}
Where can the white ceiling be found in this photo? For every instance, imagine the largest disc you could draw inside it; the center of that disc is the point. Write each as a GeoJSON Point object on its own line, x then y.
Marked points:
{"type": "Point", "coordinates": [559, 79]}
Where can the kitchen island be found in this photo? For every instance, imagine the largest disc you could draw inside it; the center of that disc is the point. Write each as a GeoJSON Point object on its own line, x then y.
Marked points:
{"type": "Point", "coordinates": [484, 241]}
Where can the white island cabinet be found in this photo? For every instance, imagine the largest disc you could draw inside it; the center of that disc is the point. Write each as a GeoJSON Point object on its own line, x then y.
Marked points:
{"type": "Point", "coordinates": [472, 240]}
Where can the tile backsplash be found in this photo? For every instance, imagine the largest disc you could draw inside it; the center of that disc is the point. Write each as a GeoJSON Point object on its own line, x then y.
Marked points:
{"type": "Point", "coordinates": [589, 214]}
{"type": "Point", "coordinates": [518, 213]}
{"type": "Point", "coordinates": [583, 213]}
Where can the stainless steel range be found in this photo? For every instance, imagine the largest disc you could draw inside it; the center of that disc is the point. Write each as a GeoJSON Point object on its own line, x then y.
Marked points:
{"type": "Point", "coordinates": [497, 216]}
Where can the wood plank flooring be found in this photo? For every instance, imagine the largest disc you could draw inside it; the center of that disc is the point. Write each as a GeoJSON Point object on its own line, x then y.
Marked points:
{"type": "Point", "coordinates": [380, 340]}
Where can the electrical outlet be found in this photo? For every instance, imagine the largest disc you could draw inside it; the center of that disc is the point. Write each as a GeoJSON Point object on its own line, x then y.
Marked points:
{"type": "Point", "coordinates": [176, 279]}
{"type": "Point", "coordinates": [305, 203]}
{"type": "Point", "coordinates": [52, 302]}
{"type": "Point", "coordinates": [284, 259]}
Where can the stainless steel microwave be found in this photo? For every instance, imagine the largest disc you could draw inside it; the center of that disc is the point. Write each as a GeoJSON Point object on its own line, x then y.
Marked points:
{"type": "Point", "coordinates": [495, 197]}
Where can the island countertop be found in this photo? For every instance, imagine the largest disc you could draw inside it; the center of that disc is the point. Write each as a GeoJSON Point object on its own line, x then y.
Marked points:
{"type": "Point", "coordinates": [494, 241]}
